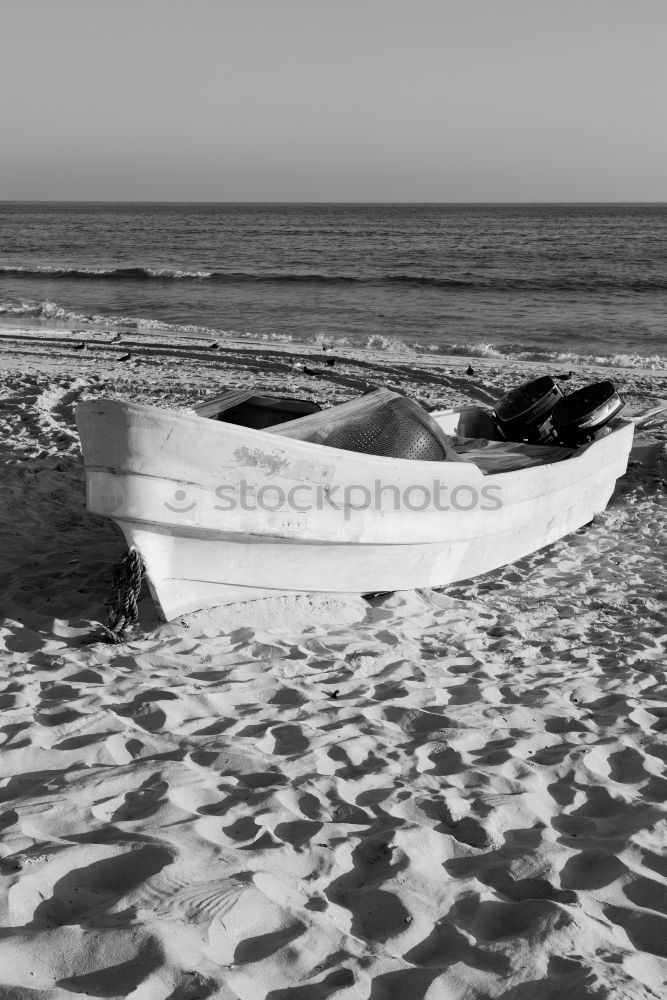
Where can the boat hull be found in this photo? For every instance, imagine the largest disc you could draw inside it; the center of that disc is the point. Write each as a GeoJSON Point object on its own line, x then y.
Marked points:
{"type": "Point", "coordinates": [222, 514]}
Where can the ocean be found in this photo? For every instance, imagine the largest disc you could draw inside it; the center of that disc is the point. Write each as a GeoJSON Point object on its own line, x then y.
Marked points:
{"type": "Point", "coordinates": [578, 283]}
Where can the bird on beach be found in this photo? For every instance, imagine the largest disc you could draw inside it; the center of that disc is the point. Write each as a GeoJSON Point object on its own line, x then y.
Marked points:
{"type": "Point", "coordinates": [565, 377]}
{"type": "Point", "coordinates": [80, 346]}
{"type": "Point", "coordinates": [470, 370]}
{"type": "Point", "coordinates": [125, 357]}
{"type": "Point", "coordinates": [214, 345]}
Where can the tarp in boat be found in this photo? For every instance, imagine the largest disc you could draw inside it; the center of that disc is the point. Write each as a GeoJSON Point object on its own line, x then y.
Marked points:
{"type": "Point", "coordinates": [493, 457]}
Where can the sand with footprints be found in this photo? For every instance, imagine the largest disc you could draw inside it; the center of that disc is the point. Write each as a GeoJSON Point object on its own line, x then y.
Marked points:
{"type": "Point", "coordinates": [435, 795]}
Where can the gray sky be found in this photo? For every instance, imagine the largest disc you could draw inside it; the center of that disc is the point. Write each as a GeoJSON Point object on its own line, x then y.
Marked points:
{"type": "Point", "coordinates": [330, 100]}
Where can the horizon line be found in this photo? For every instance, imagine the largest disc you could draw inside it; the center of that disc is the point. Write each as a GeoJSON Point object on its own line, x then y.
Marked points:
{"type": "Point", "coordinates": [174, 201]}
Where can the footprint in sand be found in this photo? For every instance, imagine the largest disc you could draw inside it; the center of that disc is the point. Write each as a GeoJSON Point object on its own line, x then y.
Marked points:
{"type": "Point", "coordinates": [377, 914]}
{"type": "Point", "coordinates": [87, 891]}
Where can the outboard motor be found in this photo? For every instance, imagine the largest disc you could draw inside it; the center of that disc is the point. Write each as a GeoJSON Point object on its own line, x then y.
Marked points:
{"type": "Point", "coordinates": [524, 413]}
{"type": "Point", "coordinates": [578, 417]}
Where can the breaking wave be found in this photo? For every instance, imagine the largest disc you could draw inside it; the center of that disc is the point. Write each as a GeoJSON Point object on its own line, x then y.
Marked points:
{"type": "Point", "coordinates": [69, 319]}
{"type": "Point", "coordinates": [499, 282]}
{"type": "Point", "coordinates": [104, 273]}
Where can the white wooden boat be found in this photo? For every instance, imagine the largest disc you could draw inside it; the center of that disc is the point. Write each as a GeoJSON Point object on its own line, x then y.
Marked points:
{"type": "Point", "coordinates": [223, 513]}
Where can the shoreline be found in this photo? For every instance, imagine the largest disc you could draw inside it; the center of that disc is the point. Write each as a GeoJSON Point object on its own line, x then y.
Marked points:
{"type": "Point", "coordinates": [153, 345]}
{"type": "Point", "coordinates": [97, 335]}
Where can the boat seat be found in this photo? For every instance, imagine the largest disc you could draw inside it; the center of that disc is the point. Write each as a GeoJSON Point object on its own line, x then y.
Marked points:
{"type": "Point", "coordinates": [379, 423]}
{"type": "Point", "coordinates": [492, 457]}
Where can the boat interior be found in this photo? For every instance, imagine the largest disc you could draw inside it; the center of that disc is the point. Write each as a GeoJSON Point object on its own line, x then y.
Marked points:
{"type": "Point", "coordinates": [249, 409]}
{"type": "Point", "coordinates": [384, 422]}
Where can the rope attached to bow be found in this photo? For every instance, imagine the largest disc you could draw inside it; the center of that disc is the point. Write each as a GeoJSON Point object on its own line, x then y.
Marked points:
{"type": "Point", "coordinates": [123, 612]}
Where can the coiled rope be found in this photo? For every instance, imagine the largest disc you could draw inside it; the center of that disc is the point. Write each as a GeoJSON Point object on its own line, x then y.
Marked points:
{"type": "Point", "coordinates": [122, 609]}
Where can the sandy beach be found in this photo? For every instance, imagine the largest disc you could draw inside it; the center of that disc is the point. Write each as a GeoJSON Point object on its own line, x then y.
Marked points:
{"type": "Point", "coordinates": [424, 796]}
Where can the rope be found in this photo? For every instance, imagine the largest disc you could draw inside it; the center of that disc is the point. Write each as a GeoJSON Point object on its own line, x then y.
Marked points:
{"type": "Point", "coordinates": [123, 613]}
{"type": "Point", "coordinates": [122, 602]}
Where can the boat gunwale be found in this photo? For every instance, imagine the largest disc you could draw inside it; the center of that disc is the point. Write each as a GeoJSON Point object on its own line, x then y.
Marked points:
{"type": "Point", "coordinates": [350, 457]}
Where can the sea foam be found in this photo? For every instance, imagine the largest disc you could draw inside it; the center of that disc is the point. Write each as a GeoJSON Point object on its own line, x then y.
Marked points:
{"type": "Point", "coordinates": [49, 310]}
